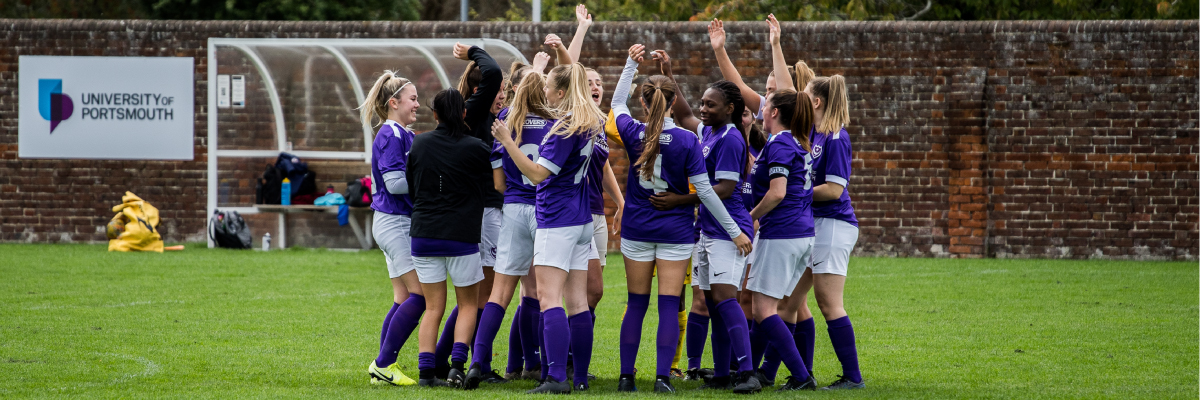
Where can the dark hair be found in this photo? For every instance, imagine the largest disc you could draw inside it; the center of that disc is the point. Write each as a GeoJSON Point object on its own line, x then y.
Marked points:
{"type": "Point", "coordinates": [448, 106]}
{"type": "Point", "coordinates": [733, 95]}
{"type": "Point", "coordinates": [658, 92]}
{"type": "Point", "coordinates": [470, 79]}
{"type": "Point", "coordinates": [796, 113]}
{"type": "Point", "coordinates": [758, 138]}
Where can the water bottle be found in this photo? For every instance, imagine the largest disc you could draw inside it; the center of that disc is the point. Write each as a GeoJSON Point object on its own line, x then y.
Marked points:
{"type": "Point", "coordinates": [266, 241]}
{"type": "Point", "coordinates": [285, 194]}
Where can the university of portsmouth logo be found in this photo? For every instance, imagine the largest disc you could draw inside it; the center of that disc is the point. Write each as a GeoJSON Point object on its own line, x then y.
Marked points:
{"type": "Point", "coordinates": [53, 105]}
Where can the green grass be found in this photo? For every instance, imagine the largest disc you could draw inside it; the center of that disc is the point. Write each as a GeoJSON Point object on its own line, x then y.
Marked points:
{"type": "Point", "coordinates": [76, 320]}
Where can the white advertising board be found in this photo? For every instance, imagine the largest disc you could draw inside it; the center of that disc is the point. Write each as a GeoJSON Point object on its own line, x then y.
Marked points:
{"type": "Point", "coordinates": [132, 108]}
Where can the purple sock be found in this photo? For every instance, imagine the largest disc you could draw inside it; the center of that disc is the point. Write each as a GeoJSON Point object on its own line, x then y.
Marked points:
{"type": "Point", "coordinates": [806, 337]}
{"type": "Point", "coordinates": [445, 343]}
{"type": "Point", "coordinates": [400, 327]}
{"type": "Point", "coordinates": [542, 340]}
{"type": "Point", "coordinates": [459, 353]}
{"type": "Point", "coordinates": [529, 314]}
{"type": "Point", "coordinates": [697, 333]}
{"type": "Point", "coordinates": [386, 322]}
{"type": "Point", "coordinates": [581, 343]}
{"type": "Point", "coordinates": [425, 361]}
{"type": "Point", "coordinates": [668, 332]}
{"type": "Point", "coordinates": [631, 330]}
{"type": "Point", "coordinates": [720, 341]}
{"type": "Point", "coordinates": [489, 326]}
{"type": "Point", "coordinates": [557, 336]}
{"type": "Point", "coordinates": [516, 358]}
{"type": "Point", "coordinates": [739, 335]}
{"type": "Point", "coordinates": [771, 361]}
{"type": "Point", "coordinates": [841, 334]}
{"type": "Point", "coordinates": [758, 344]}
{"type": "Point", "coordinates": [779, 337]}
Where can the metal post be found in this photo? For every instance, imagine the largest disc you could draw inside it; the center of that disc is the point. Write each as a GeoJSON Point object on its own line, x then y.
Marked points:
{"type": "Point", "coordinates": [537, 10]}
{"type": "Point", "coordinates": [462, 10]}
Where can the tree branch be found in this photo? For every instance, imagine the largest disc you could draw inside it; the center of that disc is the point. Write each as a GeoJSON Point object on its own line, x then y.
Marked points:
{"type": "Point", "coordinates": [928, 6]}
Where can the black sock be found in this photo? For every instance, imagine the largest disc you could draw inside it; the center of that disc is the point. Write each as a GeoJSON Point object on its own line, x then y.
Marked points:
{"type": "Point", "coordinates": [459, 365]}
{"type": "Point", "coordinates": [427, 373]}
{"type": "Point", "coordinates": [663, 378]}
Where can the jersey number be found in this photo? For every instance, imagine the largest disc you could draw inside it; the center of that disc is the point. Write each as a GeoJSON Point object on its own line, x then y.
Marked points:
{"type": "Point", "coordinates": [656, 183]}
{"type": "Point", "coordinates": [531, 151]}
{"type": "Point", "coordinates": [586, 153]}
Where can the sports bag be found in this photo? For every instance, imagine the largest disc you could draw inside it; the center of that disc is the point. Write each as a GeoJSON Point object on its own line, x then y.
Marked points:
{"type": "Point", "coordinates": [358, 192]}
{"type": "Point", "coordinates": [303, 180]}
{"type": "Point", "coordinates": [227, 229]}
{"type": "Point", "coordinates": [134, 228]}
{"type": "Point", "coordinates": [267, 191]}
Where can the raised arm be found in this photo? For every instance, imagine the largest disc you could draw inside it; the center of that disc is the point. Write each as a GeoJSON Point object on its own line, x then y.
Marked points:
{"type": "Point", "coordinates": [783, 80]}
{"type": "Point", "coordinates": [585, 22]}
{"type": "Point", "coordinates": [479, 105]}
{"type": "Point", "coordinates": [680, 110]}
{"type": "Point", "coordinates": [716, 37]}
{"type": "Point", "coordinates": [621, 93]}
{"type": "Point", "coordinates": [560, 51]}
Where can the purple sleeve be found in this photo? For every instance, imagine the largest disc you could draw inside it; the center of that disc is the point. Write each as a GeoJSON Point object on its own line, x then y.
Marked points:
{"type": "Point", "coordinates": [627, 127]}
{"type": "Point", "coordinates": [780, 160]}
{"type": "Point", "coordinates": [729, 158]}
{"type": "Point", "coordinates": [497, 154]}
{"type": "Point", "coordinates": [393, 156]}
{"type": "Point", "coordinates": [837, 165]}
{"type": "Point", "coordinates": [695, 161]}
{"type": "Point", "coordinates": [555, 149]}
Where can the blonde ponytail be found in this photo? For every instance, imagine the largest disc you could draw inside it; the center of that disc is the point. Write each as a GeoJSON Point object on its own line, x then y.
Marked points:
{"type": "Point", "coordinates": [802, 74]}
{"type": "Point", "coordinates": [529, 98]}
{"type": "Point", "coordinates": [832, 91]}
{"type": "Point", "coordinates": [374, 104]}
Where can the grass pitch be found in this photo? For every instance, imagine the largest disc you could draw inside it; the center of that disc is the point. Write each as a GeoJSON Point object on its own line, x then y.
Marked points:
{"type": "Point", "coordinates": [76, 320]}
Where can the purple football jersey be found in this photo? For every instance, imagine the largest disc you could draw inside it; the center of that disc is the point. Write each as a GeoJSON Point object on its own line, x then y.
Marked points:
{"type": "Point", "coordinates": [792, 218]}
{"type": "Point", "coordinates": [595, 176]}
{"type": "Point", "coordinates": [518, 188]}
{"type": "Point", "coordinates": [831, 163]}
{"type": "Point", "coordinates": [389, 153]}
{"type": "Point", "coordinates": [562, 198]}
{"type": "Point", "coordinates": [679, 158]}
{"type": "Point", "coordinates": [724, 151]}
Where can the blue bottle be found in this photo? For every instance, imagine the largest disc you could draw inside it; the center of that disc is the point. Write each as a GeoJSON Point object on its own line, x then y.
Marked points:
{"type": "Point", "coordinates": [285, 193]}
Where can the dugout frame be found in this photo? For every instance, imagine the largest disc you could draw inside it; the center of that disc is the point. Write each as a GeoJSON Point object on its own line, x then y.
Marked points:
{"type": "Point", "coordinates": [427, 48]}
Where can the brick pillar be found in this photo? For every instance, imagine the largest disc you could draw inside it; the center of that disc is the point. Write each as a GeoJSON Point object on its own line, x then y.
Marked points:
{"type": "Point", "coordinates": [968, 216]}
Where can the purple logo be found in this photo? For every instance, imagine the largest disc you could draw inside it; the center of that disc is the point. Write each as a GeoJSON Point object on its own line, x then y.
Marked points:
{"type": "Point", "coordinates": [53, 105]}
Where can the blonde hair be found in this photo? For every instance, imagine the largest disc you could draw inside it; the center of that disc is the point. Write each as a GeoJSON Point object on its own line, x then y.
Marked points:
{"type": "Point", "coordinates": [375, 102]}
{"type": "Point", "coordinates": [515, 72]}
{"type": "Point", "coordinates": [658, 92]}
{"type": "Point", "coordinates": [529, 98]}
{"type": "Point", "coordinates": [832, 91]}
{"type": "Point", "coordinates": [579, 113]}
{"type": "Point", "coordinates": [802, 74]}
{"type": "Point", "coordinates": [469, 80]}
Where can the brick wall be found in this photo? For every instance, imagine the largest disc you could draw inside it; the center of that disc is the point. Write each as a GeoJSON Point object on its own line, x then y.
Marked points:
{"type": "Point", "coordinates": [972, 139]}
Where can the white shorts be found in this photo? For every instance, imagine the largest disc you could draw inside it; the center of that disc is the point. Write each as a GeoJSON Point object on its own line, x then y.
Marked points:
{"type": "Point", "coordinates": [463, 270]}
{"type": "Point", "coordinates": [649, 251]}
{"type": "Point", "coordinates": [778, 266]}
{"type": "Point", "coordinates": [515, 253]}
{"type": "Point", "coordinates": [489, 236]}
{"type": "Point", "coordinates": [834, 242]}
{"type": "Point", "coordinates": [567, 248]}
{"type": "Point", "coordinates": [717, 262]}
{"type": "Point", "coordinates": [600, 237]}
{"type": "Point", "coordinates": [391, 232]}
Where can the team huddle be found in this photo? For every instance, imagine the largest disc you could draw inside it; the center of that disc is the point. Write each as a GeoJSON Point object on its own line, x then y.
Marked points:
{"type": "Point", "coordinates": [746, 201]}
